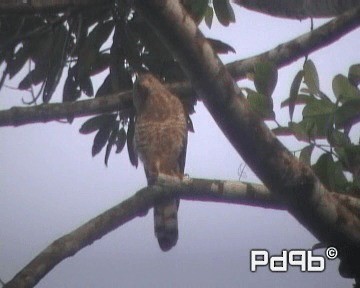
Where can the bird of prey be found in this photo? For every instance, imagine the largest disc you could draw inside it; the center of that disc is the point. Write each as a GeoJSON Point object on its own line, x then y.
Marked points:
{"type": "Point", "coordinates": [160, 140]}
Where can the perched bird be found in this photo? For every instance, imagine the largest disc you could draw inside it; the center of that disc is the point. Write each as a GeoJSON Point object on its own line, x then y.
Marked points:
{"type": "Point", "coordinates": [160, 140]}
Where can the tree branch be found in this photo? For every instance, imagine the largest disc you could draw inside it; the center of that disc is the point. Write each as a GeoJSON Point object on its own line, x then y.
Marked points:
{"type": "Point", "coordinates": [281, 55]}
{"type": "Point", "coordinates": [306, 198]}
{"type": "Point", "coordinates": [43, 6]}
{"type": "Point", "coordinates": [299, 9]}
{"type": "Point", "coordinates": [296, 9]}
{"type": "Point", "coordinates": [301, 46]}
{"type": "Point", "coordinates": [83, 236]}
{"type": "Point", "coordinates": [43, 113]}
{"type": "Point", "coordinates": [194, 189]}
{"type": "Point", "coordinates": [16, 116]}
{"type": "Point", "coordinates": [138, 205]}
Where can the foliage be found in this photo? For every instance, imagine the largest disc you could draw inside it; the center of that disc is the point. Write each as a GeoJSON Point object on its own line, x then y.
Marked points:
{"type": "Point", "coordinates": [82, 44]}
{"type": "Point", "coordinates": [326, 124]}
{"type": "Point", "coordinates": [116, 41]}
{"type": "Point", "coordinates": [265, 78]}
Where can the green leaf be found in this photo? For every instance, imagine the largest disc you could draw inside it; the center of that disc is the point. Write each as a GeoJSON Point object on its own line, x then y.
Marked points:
{"type": "Point", "coordinates": [220, 47]}
{"type": "Point", "coordinates": [261, 104]}
{"type": "Point", "coordinates": [300, 100]}
{"type": "Point", "coordinates": [86, 60]}
{"type": "Point", "coordinates": [130, 143]}
{"type": "Point", "coordinates": [348, 114]}
{"type": "Point", "coordinates": [131, 50]}
{"type": "Point", "coordinates": [101, 62]}
{"type": "Point", "coordinates": [354, 74]}
{"type": "Point", "coordinates": [110, 144]}
{"type": "Point", "coordinates": [154, 46]}
{"type": "Point", "coordinates": [341, 153]}
{"type": "Point", "coordinates": [305, 154]}
{"type": "Point", "coordinates": [350, 157]}
{"type": "Point", "coordinates": [71, 91]}
{"type": "Point", "coordinates": [56, 62]}
{"type": "Point", "coordinates": [316, 127]}
{"type": "Point", "coordinates": [190, 125]}
{"type": "Point", "coordinates": [197, 9]}
{"type": "Point", "coordinates": [89, 52]}
{"type": "Point", "coordinates": [97, 122]}
{"type": "Point", "coordinates": [209, 14]}
{"type": "Point", "coordinates": [224, 12]}
{"type": "Point", "coordinates": [34, 77]}
{"type": "Point", "coordinates": [266, 76]}
{"type": "Point", "coordinates": [311, 77]}
{"type": "Point", "coordinates": [124, 81]}
{"type": "Point", "coordinates": [99, 35]}
{"type": "Point", "coordinates": [294, 92]}
{"type": "Point", "coordinates": [41, 46]}
{"type": "Point", "coordinates": [302, 130]}
{"type": "Point", "coordinates": [337, 138]}
{"type": "Point", "coordinates": [343, 89]}
{"type": "Point", "coordinates": [19, 60]}
{"type": "Point", "coordinates": [29, 24]}
{"type": "Point", "coordinates": [86, 86]}
{"type": "Point", "coordinates": [120, 140]}
{"type": "Point", "coordinates": [319, 115]}
{"type": "Point", "coordinates": [100, 140]}
{"type": "Point", "coordinates": [105, 88]}
{"type": "Point", "coordinates": [330, 173]}
{"type": "Point", "coordinates": [316, 107]}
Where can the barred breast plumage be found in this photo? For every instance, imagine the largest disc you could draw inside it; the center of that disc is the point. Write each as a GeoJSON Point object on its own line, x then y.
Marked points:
{"type": "Point", "coordinates": [160, 141]}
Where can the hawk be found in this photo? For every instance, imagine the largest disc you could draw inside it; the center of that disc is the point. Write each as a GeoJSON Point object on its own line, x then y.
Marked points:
{"type": "Point", "coordinates": [160, 140]}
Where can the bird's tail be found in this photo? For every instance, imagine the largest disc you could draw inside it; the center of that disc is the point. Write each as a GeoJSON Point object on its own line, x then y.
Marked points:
{"type": "Point", "coordinates": [166, 223]}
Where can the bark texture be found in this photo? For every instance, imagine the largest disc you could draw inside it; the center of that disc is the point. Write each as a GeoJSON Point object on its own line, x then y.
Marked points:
{"type": "Point", "coordinates": [330, 220]}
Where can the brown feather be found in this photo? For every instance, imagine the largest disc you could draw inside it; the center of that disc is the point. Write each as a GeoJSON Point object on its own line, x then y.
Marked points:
{"type": "Point", "coordinates": [160, 141]}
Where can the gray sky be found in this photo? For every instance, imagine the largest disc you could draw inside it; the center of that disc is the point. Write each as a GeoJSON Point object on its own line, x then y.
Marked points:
{"type": "Point", "coordinates": [50, 184]}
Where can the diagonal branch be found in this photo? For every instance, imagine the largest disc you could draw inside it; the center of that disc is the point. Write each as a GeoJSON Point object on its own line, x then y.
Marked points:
{"type": "Point", "coordinates": [138, 205]}
{"type": "Point", "coordinates": [53, 6]}
{"type": "Point", "coordinates": [83, 236]}
{"type": "Point", "coordinates": [294, 182]}
{"type": "Point", "coordinates": [194, 189]}
{"type": "Point", "coordinates": [290, 51]}
{"type": "Point", "coordinates": [281, 55]}
{"type": "Point", "coordinates": [299, 9]}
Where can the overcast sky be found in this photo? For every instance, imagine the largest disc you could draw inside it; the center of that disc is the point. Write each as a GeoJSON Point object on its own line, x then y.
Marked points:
{"type": "Point", "coordinates": [50, 184]}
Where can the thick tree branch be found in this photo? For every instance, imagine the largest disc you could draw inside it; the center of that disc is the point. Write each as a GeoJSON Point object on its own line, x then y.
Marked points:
{"type": "Point", "coordinates": [305, 197]}
{"type": "Point", "coordinates": [281, 55]}
{"type": "Point", "coordinates": [53, 6]}
{"type": "Point", "coordinates": [233, 192]}
{"type": "Point", "coordinates": [299, 9]}
{"type": "Point", "coordinates": [138, 205]}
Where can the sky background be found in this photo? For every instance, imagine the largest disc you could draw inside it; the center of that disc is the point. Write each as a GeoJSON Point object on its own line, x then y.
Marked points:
{"type": "Point", "coordinates": [50, 185]}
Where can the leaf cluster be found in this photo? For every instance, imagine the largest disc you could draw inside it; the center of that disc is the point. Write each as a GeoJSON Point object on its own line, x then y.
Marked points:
{"type": "Point", "coordinates": [80, 44]}
{"type": "Point", "coordinates": [265, 78]}
{"type": "Point", "coordinates": [116, 41]}
{"type": "Point", "coordinates": [326, 121]}
{"type": "Point", "coordinates": [326, 124]}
